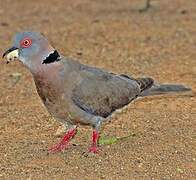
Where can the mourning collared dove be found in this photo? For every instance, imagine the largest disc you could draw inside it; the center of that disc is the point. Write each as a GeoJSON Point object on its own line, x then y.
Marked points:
{"type": "Point", "coordinates": [75, 93]}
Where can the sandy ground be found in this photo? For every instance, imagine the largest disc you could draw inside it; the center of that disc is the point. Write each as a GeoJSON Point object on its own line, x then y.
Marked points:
{"type": "Point", "coordinates": [114, 35]}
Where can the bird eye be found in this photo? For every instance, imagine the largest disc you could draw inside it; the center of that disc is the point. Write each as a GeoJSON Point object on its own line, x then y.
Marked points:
{"type": "Point", "coordinates": [26, 42]}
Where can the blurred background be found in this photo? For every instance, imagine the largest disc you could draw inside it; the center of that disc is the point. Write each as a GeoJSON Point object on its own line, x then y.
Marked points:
{"type": "Point", "coordinates": [154, 38]}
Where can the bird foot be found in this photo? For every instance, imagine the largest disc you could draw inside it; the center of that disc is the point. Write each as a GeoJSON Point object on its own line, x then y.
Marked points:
{"type": "Point", "coordinates": [63, 144]}
{"type": "Point", "coordinates": [93, 149]}
{"type": "Point", "coordinates": [58, 148]}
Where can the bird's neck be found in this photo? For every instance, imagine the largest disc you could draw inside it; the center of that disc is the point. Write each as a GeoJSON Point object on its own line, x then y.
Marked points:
{"type": "Point", "coordinates": [43, 61]}
{"type": "Point", "coordinates": [46, 69]}
{"type": "Point", "coordinates": [48, 75]}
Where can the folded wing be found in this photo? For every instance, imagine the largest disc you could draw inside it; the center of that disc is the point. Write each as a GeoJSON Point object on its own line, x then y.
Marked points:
{"type": "Point", "coordinates": [100, 93]}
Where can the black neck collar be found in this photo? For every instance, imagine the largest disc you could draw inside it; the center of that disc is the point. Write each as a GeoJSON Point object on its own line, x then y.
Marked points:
{"type": "Point", "coordinates": [53, 57]}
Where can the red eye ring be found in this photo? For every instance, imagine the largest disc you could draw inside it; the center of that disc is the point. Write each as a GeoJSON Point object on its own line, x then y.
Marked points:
{"type": "Point", "coordinates": [26, 42]}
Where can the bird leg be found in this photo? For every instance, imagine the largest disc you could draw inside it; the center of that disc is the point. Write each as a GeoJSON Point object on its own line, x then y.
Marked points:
{"type": "Point", "coordinates": [64, 141]}
{"type": "Point", "coordinates": [95, 138]}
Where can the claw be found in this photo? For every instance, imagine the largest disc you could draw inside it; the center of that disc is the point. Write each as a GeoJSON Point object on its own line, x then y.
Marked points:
{"type": "Point", "coordinates": [63, 144]}
{"type": "Point", "coordinates": [94, 147]}
{"type": "Point", "coordinates": [58, 148]}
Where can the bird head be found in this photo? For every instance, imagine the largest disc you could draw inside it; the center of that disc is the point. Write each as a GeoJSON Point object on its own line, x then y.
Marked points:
{"type": "Point", "coordinates": [32, 49]}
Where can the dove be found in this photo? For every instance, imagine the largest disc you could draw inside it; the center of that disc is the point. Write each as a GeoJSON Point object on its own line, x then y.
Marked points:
{"type": "Point", "coordinates": [77, 94]}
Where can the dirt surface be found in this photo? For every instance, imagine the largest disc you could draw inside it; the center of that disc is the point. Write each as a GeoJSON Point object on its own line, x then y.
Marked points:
{"type": "Point", "coordinates": [111, 34]}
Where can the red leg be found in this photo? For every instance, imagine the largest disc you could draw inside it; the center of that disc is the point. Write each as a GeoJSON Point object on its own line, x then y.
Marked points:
{"type": "Point", "coordinates": [64, 141]}
{"type": "Point", "coordinates": [95, 138]}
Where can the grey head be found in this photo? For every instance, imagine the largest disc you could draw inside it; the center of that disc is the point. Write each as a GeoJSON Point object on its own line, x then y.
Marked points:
{"type": "Point", "coordinates": [32, 49]}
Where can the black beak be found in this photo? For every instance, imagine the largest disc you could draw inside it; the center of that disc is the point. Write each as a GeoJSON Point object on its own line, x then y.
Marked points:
{"type": "Point", "coordinates": [9, 50]}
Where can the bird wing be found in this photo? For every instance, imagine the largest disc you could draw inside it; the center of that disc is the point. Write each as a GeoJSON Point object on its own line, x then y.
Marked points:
{"type": "Point", "coordinates": [100, 92]}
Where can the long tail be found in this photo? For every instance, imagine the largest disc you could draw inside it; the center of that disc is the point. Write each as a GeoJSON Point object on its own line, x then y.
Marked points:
{"type": "Point", "coordinates": [164, 89]}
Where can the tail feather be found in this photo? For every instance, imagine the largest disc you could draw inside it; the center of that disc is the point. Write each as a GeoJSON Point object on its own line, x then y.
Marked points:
{"type": "Point", "coordinates": [149, 88]}
{"type": "Point", "coordinates": [164, 89]}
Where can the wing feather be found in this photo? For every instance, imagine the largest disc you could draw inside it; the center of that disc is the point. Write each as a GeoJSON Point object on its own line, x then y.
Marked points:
{"type": "Point", "coordinates": [100, 93]}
